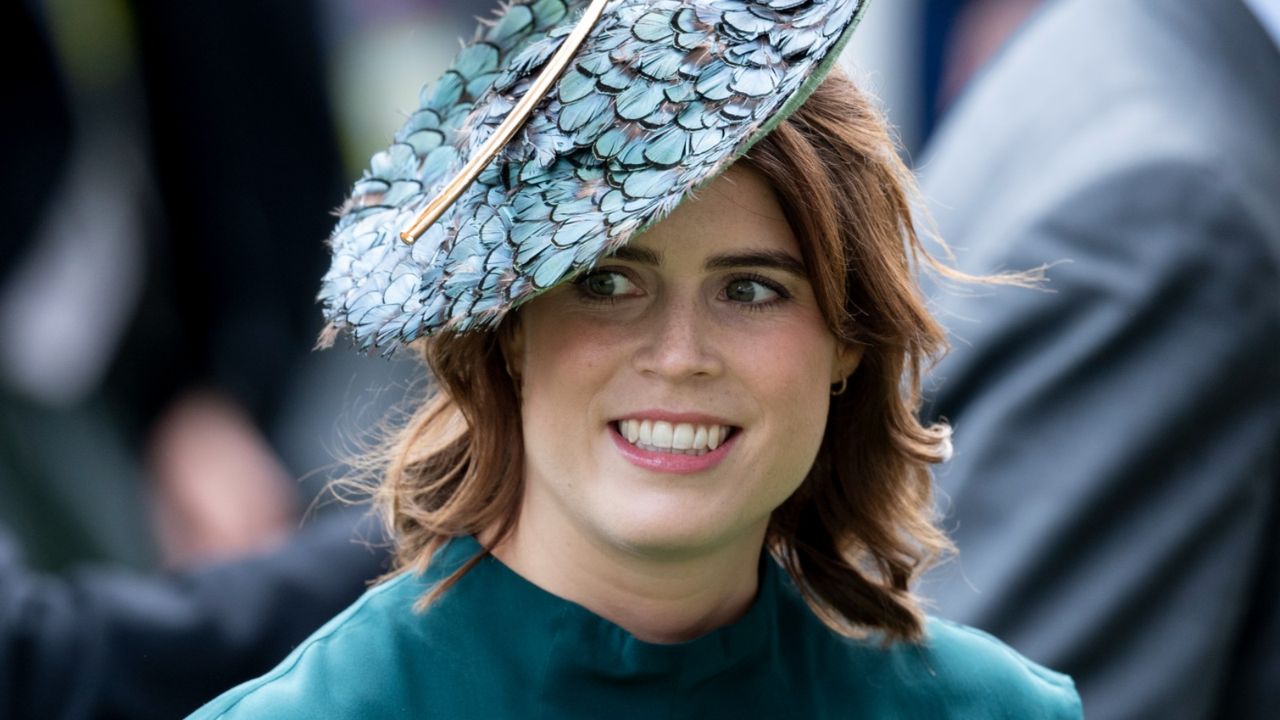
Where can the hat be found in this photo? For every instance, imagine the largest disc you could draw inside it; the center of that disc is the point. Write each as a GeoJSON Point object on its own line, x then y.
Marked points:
{"type": "Point", "coordinates": [565, 128]}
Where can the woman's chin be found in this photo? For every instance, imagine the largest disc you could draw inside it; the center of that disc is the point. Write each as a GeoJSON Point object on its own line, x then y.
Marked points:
{"type": "Point", "coordinates": [658, 530]}
{"type": "Point", "coordinates": [658, 514]}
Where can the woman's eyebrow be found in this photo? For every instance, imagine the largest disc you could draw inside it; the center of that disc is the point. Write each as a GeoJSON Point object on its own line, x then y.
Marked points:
{"type": "Point", "coordinates": [775, 259]}
{"type": "Point", "coordinates": [644, 256]}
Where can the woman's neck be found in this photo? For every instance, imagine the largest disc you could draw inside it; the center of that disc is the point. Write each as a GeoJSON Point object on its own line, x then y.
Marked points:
{"type": "Point", "coordinates": [659, 597]}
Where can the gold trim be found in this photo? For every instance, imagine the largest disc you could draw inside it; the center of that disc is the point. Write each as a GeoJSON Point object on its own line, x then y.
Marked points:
{"type": "Point", "coordinates": [508, 128]}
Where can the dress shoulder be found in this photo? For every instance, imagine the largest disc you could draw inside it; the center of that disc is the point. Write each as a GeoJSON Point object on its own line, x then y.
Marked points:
{"type": "Point", "coordinates": [979, 676]}
{"type": "Point", "coordinates": [339, 671]}
{"type": "Point", "coordinates": [953, 672]}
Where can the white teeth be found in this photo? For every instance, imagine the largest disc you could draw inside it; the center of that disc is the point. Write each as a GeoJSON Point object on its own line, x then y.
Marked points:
{"type": "Point", "coordinates": [700, 437]}
{"type": "Point", "coordinates": [662, 434]}
{"type": "Point", "coordinates": [680, 438]}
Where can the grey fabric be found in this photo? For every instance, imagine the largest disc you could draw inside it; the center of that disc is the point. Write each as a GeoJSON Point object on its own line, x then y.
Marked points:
{"type": "Point", "coordinates": [1114, 486]}
{"type": "Point", "coordinates": [1268, 13]}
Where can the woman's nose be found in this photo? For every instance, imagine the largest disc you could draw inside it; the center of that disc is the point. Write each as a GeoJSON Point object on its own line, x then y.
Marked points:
{"type": "Point", "coordinates": [679, 342]}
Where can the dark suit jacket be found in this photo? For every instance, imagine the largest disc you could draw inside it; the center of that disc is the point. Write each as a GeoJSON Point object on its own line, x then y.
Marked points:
{"type": "Point", "coordinates": [1114, 486]}
{"type": "Point", "coordinates": [107, 644]}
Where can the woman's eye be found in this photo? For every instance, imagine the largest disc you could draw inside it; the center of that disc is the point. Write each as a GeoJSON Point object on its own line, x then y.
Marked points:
{"type": "Point", "coordinates": [750, 291]}
{"type": "Point", "coordinates": [606, 283]}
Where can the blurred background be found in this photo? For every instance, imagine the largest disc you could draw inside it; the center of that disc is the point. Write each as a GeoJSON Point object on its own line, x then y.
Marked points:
{"type": "Point", "coordinates": [170, 174]}
{"type": "Point", "coordinates": [171, 169]}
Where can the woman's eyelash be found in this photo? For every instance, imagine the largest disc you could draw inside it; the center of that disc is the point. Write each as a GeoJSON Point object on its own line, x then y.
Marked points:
{"type": "Point", "coordinates": [770, 283]}
{"type": "Point", "coordinates": [583, 293]}
{"type": "Point", "coordinates": [783, 294]}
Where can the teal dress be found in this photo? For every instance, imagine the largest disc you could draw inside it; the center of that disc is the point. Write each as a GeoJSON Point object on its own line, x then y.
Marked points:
{"type": "Point", "coordinates": [495, 646]}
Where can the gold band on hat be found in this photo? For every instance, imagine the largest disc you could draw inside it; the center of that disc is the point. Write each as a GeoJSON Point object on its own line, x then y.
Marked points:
{"type": "Point", "coordinates": [523, 109]}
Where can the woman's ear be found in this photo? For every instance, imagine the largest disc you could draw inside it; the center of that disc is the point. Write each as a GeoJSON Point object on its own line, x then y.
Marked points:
{"type": "Point", "coordinates": [848, 357]}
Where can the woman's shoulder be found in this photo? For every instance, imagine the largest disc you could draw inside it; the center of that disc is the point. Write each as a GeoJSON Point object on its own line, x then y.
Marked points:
{"type": "Point", "coordinates": [345, 665]}
{"type": "Point", "coordinates": [954, 671]}
{"type": "Point", "coordinates": [969, 666]}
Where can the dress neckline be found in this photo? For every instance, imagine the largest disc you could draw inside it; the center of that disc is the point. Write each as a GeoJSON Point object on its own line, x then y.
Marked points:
{"type": "Point", "coordinates": [583, 640]}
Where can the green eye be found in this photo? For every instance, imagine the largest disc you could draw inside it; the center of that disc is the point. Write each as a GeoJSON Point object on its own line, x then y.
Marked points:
{"type": "Point", "coordinates": [749, 291]}
{"type": "Point", "coordinates": [606, 283]}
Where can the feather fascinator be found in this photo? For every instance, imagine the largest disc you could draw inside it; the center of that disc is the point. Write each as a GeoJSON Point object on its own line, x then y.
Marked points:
{"type": "Point", "coordinates": [560, 132]}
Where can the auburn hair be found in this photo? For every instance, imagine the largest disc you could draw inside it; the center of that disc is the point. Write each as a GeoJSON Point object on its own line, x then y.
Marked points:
{"type": "Point", "coordinates": [861, 526]}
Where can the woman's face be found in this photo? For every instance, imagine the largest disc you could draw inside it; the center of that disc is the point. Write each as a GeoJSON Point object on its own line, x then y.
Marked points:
{"type": "Point", "coordinates": [677, 394]}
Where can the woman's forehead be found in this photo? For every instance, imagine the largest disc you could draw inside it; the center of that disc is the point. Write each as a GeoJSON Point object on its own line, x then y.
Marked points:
{"type": "Point", "coordinates": [736, 212]}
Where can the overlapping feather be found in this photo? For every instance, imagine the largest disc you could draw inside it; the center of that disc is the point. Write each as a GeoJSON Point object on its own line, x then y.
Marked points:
{"type": "Point", "coordinates": [663, 95]}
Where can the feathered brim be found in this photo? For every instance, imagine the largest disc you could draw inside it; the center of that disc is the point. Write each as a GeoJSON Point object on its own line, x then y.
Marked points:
{"type": "Point", "coordinates": [659, 98]}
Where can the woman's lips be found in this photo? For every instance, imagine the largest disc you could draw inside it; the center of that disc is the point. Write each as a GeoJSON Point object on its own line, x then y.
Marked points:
{"type": "Point", "coordinates": [681, 462]}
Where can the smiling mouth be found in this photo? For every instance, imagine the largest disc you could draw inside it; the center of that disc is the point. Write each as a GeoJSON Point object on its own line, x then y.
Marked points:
{"type": "Point", "coordinates": [673, 438]}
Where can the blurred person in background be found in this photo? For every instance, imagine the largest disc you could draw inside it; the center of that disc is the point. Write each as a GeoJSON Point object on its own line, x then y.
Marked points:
{"type": "Point", "coordinates": [955, 39]}
{"type": "Point", "coordinates": [167, 174]}
{"type": "Point", "coordinates": [154, 307]}
{"type": "Point", "coordinates": [975, 30]}
{"type": "Point", "coordinates": [104, 642]}
{"type": "Point", "coordinates": [1114, 490]}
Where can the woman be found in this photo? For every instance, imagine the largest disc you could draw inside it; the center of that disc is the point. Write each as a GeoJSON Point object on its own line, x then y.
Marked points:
{"type": "Point", "coordinates": [672, 466]}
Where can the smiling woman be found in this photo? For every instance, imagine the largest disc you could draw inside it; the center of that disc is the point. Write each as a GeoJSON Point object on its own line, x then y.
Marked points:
{"type": "Point", "coordinates": [671, 466]}
{"type": "Point", "coordinates": [708, 333]}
